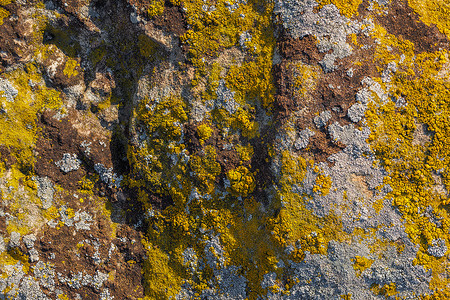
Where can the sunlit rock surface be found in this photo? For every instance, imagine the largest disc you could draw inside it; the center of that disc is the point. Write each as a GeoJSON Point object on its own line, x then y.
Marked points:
{"type": "Point", "coordinates": [228, 149]}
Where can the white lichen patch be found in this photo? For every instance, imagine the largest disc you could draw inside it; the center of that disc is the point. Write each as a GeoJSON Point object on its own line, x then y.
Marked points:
{"type": "Point", "coordinates": [322, 119]}
{"type": "Point", "coordinates": [356, 112]}
{"type": "Point", "coordinates": [45, 191]}
{"type": "Point", "coordinates": [7, 91]}
{"type": "Point", "coordinates": [108, 176]}
{"type": "Point", "coordinates": [438, 248]}
{"type": "Point", "coordinates": [328, 26]}
{"type": "Point", "coordinates": [303, 139]}
{"type": "Point", "coordinates": [68, 163]}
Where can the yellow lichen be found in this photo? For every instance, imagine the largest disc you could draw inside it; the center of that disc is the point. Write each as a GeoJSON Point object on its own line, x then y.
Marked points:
{"type": "Point", "coordinates": [295, 224]}
{"type": "Point", "coordinates": [204, 131]}
{"type": "Point", "coordinates": [3, 12]}
{"type": "Point", "coordinates": [245, 121]}
{"type": "Point", "coordinates": [98, 54]}
{"type": "Point", "coordinates": [70, 68]}
{"type": "Point", "coordinates": [348, 8]}
{"type": "Point", "coordinates": [305, 78]}
{"type": "Point", "coordinates": [241, 180]}
{"type": "Point", "coordinates": [219, 28]}
{"type": "Point", "coordinates": [378, 205]}
{"type": "Point", "coordinates": [245, 152]}
{"type": "Point", "coordinates": [51, 213]}
{"type": "Point", "coordinates": [161, 163]}
{"type": "Point", "coordinates": [435, 12]}
{"type": "Point", "coordinates": [206, 168]}
{"type": "Point", "coordinates": [155, 8]}
{"type": "Point", "coordinates": [162, 121]}
{"type": "Point", "coordinates": [386, 290]}
{"type": "Point", "coordinates": [12, 257]}
{"type": "Point", "coordinates": [322, 185]}
{"type": "Point", "coordinates": [361, 263]}
{"type": "Point", "coordinates": [412, 165]}
{"type": "Point", "coordinates": [147, 47]}
{"type": "Point", "coordinates": [19, 122]}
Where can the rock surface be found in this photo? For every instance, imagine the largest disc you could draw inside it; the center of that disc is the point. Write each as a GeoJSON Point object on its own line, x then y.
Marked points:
{"type": "Point", "coordinates": [228, 149]}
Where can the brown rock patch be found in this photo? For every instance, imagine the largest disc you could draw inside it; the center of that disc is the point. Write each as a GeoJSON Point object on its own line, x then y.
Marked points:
{"type": "Point", "coordinates": [403, 21]}
{"type": "Point", "coordinates": [77, 134]}
{"type": "Point", "coordinates": [303, 49]}
{"type": "Point", "coordinates": [172, 20]}
{"type": "Point", "coordinates": [334, 91]}
{"type": "Point", "coordinates": [16, 36]}
{"type": "Point", "coordinates": [6, 157]}
{"type": "Point", "coordinates": [56, 139]}
{"type": "Point", "coordinates": [83, 251]}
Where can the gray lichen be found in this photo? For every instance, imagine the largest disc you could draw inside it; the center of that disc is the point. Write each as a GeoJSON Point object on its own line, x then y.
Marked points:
{"type": "Point", "coordinates": [7, 90]}
{"type": "Point", "coordinates": [83, 220]}
{"type": "Point", "coordinates": [45, 274]}
{"type": "Point", "coordinates": [29, 240]}
{"type": "Point", "coordinates": [331, 275]}
{"type": "Point", "coordinates": [14, 240]}
{"type": "Point", "coordinates": [34, 255]}
{"type": "Point", "coordinates": [438, 248]}
{"type": "Point", "coordinates": [303, 139]}
{"type": "Point", "coordinates": [68, 163]}
{"type": "Point", "coordinates": [108, 176]}
{"type": "Point", "coordinates": [356, 112]}
{"type": "Point", "coordinates": [2, 244]}
{"type": "Point", "coordinates": [322, 119]}
{"type": "Point", "coordinates": [327, 25]}
{"type": "Point", "coordinates": [45, 191]}
{"type": "Point", "coordinates": [244, 38]}
{"type": "Point", "coordinates": [225, 98]}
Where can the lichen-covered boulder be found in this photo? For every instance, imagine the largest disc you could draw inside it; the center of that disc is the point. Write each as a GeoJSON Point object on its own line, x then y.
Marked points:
{"type": "Point", "coordinates": [228, 149]}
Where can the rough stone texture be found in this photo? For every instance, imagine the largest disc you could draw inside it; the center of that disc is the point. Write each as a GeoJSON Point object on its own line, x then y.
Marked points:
{"type": "Point", "coordinates": [8, 91]}
{"type": "Point", "coordinates": [287, 149]}
{"type": "Point", "coordinates": [68, 163]}
{"type": "Point", "coordinates": [45, 191]}
{"type": "Point", "coordinates": [438, 248]}
{"type": "Point", "coordinates": [328, 26]}
{"type": "Point", "coordinates": [356, 112]}
{"type": "Point", "coordinates": [303, 139]}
